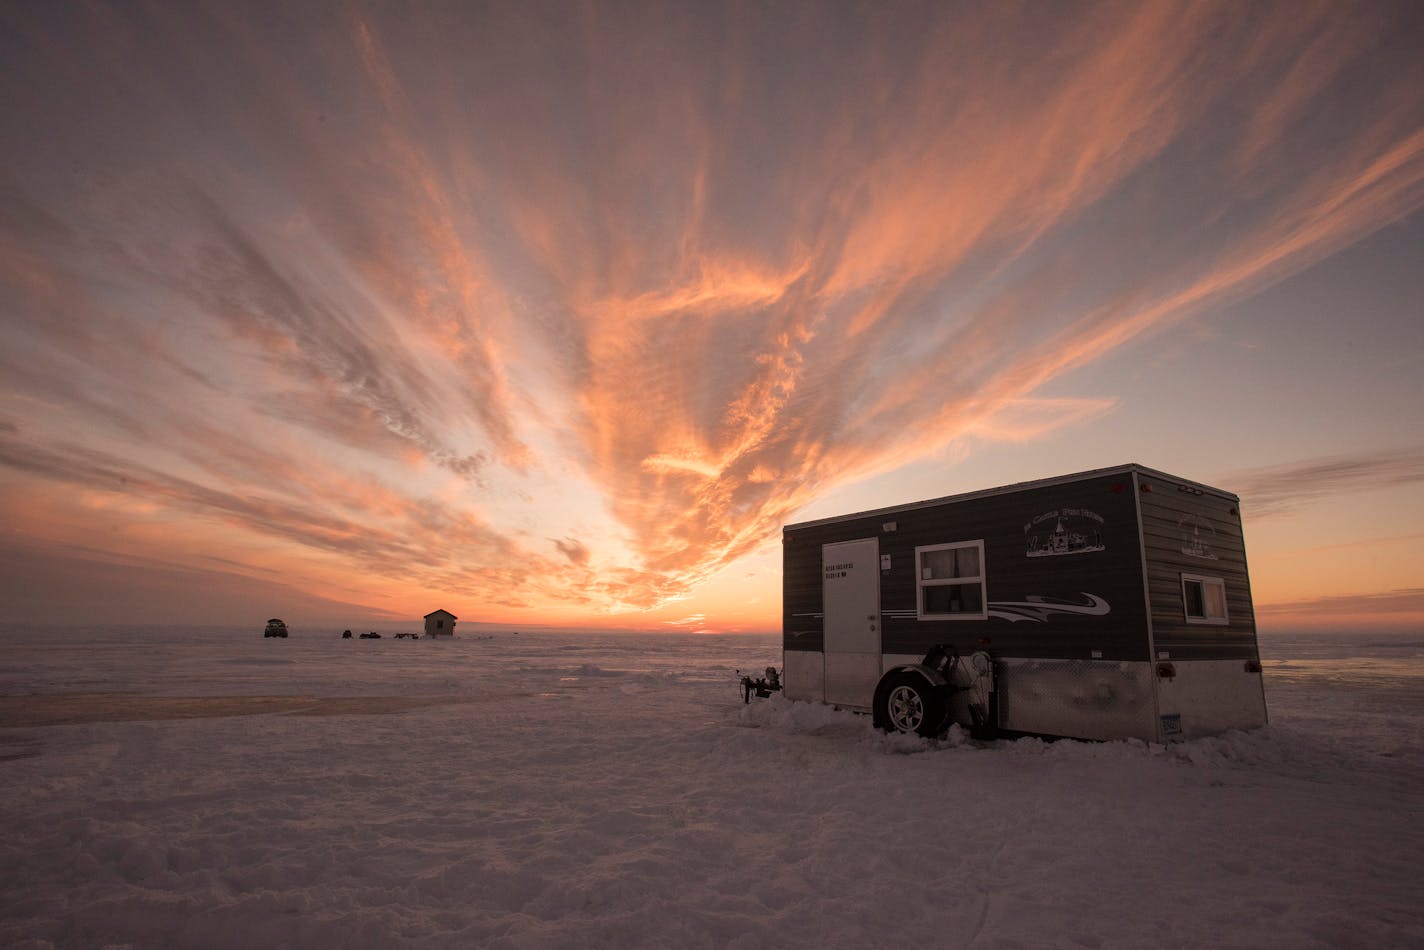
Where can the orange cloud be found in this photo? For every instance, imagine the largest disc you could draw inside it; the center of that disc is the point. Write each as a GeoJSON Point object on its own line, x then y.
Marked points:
{"type": "Point", "coordinates": [1001, 179]}
{"type": "Point", "coordinates": [429, 279]}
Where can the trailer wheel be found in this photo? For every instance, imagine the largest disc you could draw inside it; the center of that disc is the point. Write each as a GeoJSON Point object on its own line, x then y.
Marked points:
{"type": "Point", "coordinates": [906, 702]}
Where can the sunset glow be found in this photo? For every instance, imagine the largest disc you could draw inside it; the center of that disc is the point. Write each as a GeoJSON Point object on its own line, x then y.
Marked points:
{"type": "Point", "coordinates": [555, 314]}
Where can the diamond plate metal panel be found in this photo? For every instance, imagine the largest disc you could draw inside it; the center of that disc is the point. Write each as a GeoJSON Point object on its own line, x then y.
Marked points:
{"type": "Point", "coordinates": [1086, 699]}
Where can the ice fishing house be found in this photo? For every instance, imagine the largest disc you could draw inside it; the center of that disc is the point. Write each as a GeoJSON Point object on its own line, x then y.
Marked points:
{"type": "Point", "coordinates": [440, 623]}
{"type": "Point", "coordinates": [1104, 605]}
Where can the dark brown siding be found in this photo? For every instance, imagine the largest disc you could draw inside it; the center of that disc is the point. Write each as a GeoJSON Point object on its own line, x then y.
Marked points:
{"type": "Point", "coordinates": [802, 627]}
{"type": "Point", "coordinates": [1186, 530]}
{"type": "Point", "coordinates": [1101, 560]}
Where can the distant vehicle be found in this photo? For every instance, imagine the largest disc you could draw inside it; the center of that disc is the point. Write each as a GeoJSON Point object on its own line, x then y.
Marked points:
{"type": "Point", "coordinates": [373, 635]}
{"type": "Point", "coordinates": [275, 628]}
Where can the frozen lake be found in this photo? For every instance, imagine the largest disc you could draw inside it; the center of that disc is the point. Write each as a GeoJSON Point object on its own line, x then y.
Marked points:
{"type": "Point", "coordinates": [211, 788]}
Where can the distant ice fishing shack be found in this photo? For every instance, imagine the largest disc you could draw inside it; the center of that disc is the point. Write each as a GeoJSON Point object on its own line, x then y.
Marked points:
{"type": "Point", "coordinates": [1109, 604]}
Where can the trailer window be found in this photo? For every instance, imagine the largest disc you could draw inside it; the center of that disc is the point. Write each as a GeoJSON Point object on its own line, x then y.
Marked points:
{"type": "Point", "coordinates": [951, 581]}
{"type": "Point", "coordinates": [1204, 599]}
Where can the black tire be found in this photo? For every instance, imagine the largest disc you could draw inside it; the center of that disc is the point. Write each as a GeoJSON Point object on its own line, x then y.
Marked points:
{"type": "Point", "coordinates": [907, 702]}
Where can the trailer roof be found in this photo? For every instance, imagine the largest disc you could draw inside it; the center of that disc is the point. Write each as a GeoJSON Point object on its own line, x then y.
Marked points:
{"type": "Point", "coordinates": [1019, 486]}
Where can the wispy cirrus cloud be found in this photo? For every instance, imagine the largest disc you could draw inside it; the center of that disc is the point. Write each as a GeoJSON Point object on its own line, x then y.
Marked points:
{"type": "Point", "coordinates": [1402, 608]}
{"type": "Point", "coordinates": [575, 307]}
{"type": "Point", "coordinates": [1281, 489]}
{"type": "Point", "coordinates": [343, 520]}
{"type": "Point", "coordinates": [944, 283]}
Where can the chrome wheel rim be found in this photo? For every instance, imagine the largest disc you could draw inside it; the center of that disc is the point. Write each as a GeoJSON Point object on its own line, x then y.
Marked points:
{"type": "Point", "coordinates": [907, 709]}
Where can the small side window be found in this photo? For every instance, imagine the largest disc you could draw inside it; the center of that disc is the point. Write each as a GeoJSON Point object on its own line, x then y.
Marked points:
{"type": "Point", "coordinates": [1204, 599]}
{"type": "Point", "coordinates": [951, 581]}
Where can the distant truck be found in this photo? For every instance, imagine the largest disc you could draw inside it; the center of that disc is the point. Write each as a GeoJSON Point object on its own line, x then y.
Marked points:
{"type": "Point", "coordinates": [275, 628]}
{"type": "Point", "coordinates": [1109, 604]}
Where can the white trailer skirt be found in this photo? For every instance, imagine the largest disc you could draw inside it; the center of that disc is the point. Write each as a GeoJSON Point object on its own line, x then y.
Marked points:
{"type": "Point", "coordinates": [1084, 699]}
{"type": "Point", "coordinates": [1081, 699]}
{"type": "Point", "coordinates": [1209, 697]}
{"type": "Point", "coordinates": [804, 675]}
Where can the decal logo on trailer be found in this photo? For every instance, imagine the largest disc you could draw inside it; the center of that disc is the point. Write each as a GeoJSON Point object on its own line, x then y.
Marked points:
{"type": "Point", "coordinates": [1064, 531]}
{"type": "Point", "coordinates": [1194, 543]}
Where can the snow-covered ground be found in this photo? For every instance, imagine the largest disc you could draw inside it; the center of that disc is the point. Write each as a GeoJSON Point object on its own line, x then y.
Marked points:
{"type": "Point", "coordinates": [215, 789]}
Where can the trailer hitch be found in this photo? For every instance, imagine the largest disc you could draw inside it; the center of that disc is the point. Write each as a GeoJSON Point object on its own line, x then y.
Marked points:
{"type": "Point", "coordinates": [762, 686]}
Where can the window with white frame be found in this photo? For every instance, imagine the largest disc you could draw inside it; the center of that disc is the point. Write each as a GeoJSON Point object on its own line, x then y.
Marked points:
{"type": "Point", "coordinates": [1204, 599]}
{"type": "Point", "coordinates": [951, 581]}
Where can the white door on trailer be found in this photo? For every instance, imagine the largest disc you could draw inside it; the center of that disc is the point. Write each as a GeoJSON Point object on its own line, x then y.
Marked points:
{"type": "Point", "coordinates": [850, 597]}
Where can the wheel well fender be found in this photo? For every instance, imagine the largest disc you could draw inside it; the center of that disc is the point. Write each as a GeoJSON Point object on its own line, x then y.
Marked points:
{"type": "Point", "coordinates": [934, 684]}
{"type": "Point", "coordinates": [928, 675]}
{"type": "Point", "coordinates": [931, 677]}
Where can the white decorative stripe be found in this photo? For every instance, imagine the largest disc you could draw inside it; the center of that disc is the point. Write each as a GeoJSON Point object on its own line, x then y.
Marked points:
{"type": "Point", "coordinates": [1039, 608]}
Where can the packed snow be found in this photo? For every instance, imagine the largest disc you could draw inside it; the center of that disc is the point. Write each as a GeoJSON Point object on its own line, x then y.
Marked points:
{"type": "Point", "coordinates": [214, 789]}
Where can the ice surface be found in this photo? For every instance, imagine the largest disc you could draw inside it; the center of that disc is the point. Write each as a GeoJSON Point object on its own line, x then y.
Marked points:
{"type": "Point", "coordinates": [614, 791]}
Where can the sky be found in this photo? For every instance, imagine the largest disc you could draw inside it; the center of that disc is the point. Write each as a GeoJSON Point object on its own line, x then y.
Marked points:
{"type": "Point", "coordinates": [555, 313]}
